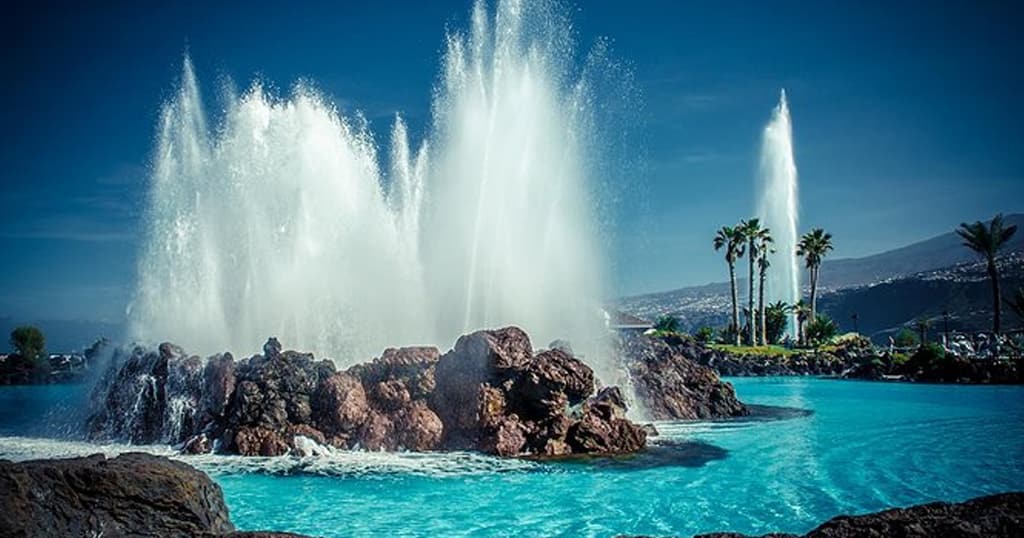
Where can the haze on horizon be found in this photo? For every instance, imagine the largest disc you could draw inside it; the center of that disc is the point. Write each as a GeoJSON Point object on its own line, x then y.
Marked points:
{"type": "Point", "coordinates": [905, 121]}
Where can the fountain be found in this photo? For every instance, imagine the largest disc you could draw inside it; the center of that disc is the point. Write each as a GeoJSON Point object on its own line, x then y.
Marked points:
{"type": "Point", "coordinates": [779, 206]}
{"type": "Point", "coordinates": [283, 221]}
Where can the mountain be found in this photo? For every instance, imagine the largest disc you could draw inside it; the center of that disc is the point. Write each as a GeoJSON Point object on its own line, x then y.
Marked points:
{"type": "Point", "coordinates": [942, 251]}
{"type": "Point", "coordinates": [886, 290]}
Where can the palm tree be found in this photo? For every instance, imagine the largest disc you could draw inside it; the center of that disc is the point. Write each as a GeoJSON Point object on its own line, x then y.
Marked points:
{"type": "Point", "coordinates": [803, 313]}
{"type": "Point", "coordinates": [813, 246]}
{"type": "Point", "coordinates": [988, 240]}
{"type": "Point", "coordinates": [754, 234]}
{"type": "Point", "coordinates": [762, 265]}
{"type": "Point", "coordinates": [731, 238]}
{"type": "Point", "coordinates": [922, 325]}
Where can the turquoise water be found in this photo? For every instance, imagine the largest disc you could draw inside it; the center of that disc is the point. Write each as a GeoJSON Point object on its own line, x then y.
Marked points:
{"type": "Point", "coordinates": [865, 447]}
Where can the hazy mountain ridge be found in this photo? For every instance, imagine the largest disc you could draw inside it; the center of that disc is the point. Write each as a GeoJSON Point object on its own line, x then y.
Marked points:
{"type": "Point", "coordinates": [885, 290]}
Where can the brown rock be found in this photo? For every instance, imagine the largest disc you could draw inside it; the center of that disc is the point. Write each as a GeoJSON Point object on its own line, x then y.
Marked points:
{"type": "Point", "coordinates": [256, 441]}
{"type": "Point", "coordinates": [419, 428]}
{"type": "Point", "coordinates": [378, 433]}
{"type": "Point", "coordinates": [340, 404]}
{"type": "Point", "coordinates": [130, 495]}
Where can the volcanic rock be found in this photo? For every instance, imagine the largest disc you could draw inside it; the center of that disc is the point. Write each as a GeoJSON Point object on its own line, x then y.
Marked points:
{"type": "Point", "coordinates": [673, 387]}
{"type": "Point", "coordinates": [994, 516]}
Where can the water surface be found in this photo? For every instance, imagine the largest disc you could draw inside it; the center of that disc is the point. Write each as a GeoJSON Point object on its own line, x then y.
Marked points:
{"type": "Point", "coordinates": [864, 447]}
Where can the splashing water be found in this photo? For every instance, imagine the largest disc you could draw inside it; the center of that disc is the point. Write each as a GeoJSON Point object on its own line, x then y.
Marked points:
{"type": "Point", "coordinates": [779, 206]}
{"type": "Point", "coordinates": [283, 222]}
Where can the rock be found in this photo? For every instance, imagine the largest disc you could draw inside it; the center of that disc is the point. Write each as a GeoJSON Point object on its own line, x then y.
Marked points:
{"type": "Point", "coordinates": [273, 393]}
{"type": "Point", "coordinates": [257, 441]}
{"type": "Point", "coordinates": [198, 444]}
{"type": "Point", "coordinates": [673, 387]}
{"type": "Point", "coordinates": [994, 516]}
{"type": "Point", "coordinates": [603, 428]}
{"type": "Point", "coordinates": [219, 385]}
{"type": "Point", "coordinates": [340, 404]}
{"type": "Point", "coordinates": [478, 359]}
{"type": "Point", "coordinates": [419, 428]}
{"type": "Point", "coordinates": [378, 433]}
{"type": "Point", "coordinates": [412, 366]}
{"type": "Point", "coordinates": [132, 494]}
{"type": "Point", "coordinates": [545, 377]}
{"type": "Point", "coordinates": [488, 393]}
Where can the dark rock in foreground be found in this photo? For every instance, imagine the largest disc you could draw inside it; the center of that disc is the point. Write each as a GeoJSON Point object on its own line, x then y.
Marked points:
{"type": "Point", "coordinates": [130, 495]}
{"type": "Point", "coordinates": [490, 393]}
{"type": "Point", "coordinates": [995, 516]}
{"type": "Point", "coordinates": [671, 386]}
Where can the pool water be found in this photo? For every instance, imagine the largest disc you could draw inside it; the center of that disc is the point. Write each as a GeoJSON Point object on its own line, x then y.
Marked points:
{"type": "Point", "coordinates": [865, 447]}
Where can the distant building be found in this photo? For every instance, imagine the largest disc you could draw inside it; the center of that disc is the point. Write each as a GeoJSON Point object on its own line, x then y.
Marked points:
{"type": "Point", "coordinates": [623, 322]}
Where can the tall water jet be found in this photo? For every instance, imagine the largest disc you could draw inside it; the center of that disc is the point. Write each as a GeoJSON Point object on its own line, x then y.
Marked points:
{"type": "Point", "coordinates": [282, 221]}
{"type": "Point", "coordinates": [779, 206]}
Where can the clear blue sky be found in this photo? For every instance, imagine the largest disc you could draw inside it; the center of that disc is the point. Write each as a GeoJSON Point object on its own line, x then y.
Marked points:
{"type": "Point", "coordinates": [908, 118]}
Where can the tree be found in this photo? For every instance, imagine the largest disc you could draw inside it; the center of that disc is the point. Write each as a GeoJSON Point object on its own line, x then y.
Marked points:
{"type": "Point", "coordinates": [755, 235]}
{"type": "Point", "coordinates": [803, 313]}
{"type": "Point", "coordinates": [764, 248]}
{"type": "Point", "coordinates": [813, 246]}
{"type": "Point", "coordinates": [28, 342]}
{"type": "Point", "coordinates": [667, 324]}
{"type": "Point", "coordinates": [987, 241]}
{"type": "Point", "coordinates": [906, 338]}
{"type": "Point", "coordinates": [922, 325]}
{"type": "Point", "coordinates": [776, 318]}
{"type": "Point", "coordinates": [821, 329]}
{"type": "Point", "coordinates": [731, 239]}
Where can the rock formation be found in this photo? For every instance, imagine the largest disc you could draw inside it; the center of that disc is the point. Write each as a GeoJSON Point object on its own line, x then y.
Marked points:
{"type": "Point", "coordinates": [130, 495]}
{"type": "Point", "coordinates": [491, 393]}
{"type": "Point", "coordinates": [995, 516]}
{"type": "Point", "coordinates": [671, 386]}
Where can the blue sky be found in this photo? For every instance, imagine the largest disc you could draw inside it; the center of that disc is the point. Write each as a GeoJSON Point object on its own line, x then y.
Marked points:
{"type": "Point", "coordinates": [907, 119]}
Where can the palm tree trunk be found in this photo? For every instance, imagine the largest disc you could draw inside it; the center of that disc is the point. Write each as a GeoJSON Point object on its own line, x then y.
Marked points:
{"type": "Point", "coordinates": [735, 303]}
{"type": "Point", "coordinates": [750, 297]}
{"type": "Point", "coordinates": [760, 308]}
{"type": "Point", "coordinates": [993, 273]}
{"type": "Point", "coordinates": [814, 293]}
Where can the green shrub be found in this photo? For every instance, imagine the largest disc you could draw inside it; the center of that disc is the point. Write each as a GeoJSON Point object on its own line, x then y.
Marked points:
{"type": "Point", "coordinates": [821, 330]}
{"type": "Point", "coordinates": [704, 335]}
{"type": "Point", "coordinates": [667, 324]}
{"type": "Point", "coordinates": [906, 338]}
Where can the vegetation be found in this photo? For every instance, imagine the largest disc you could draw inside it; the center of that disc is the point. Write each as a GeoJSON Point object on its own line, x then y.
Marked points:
{"type": "Point", "coordinates": [813, 246]}
{"type": "Point", "coordinates": [28, 343]}
{"type": "Point", "coordinates": [987, 240]}
{"type": "Point", "coordinates": [775, 320]}
{"type": "Point", "coordinates": [667, 324]}
{"type": "Point", "coordinates": [763, 263]}
{"type": "Point", "coordinates": [803, 313]}
{"type": "Point", "coordinates": [922, 325]}
{"type": "Point", "coordinates": [768, 351]}
{"type": "Point", "coordinates": [821, 330]}
{"type": "Point", "coordinates": [704, 335]}
{"type": "Point", "coordinates": [28, 363]}
{"type": "Point", "coordinates": [756, 236]}
{"type": "Point", "coordinates": [731, 238]}
{"type": "Point", "coordinates": [906, 338]}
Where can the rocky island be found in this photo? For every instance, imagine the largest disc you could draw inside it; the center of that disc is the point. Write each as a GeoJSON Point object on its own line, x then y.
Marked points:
{"type": "Point", "coordinates": [490, 393]}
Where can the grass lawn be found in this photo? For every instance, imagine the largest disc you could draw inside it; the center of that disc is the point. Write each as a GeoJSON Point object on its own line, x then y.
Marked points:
{"type": "Point", "coordinates": [771, 351]}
